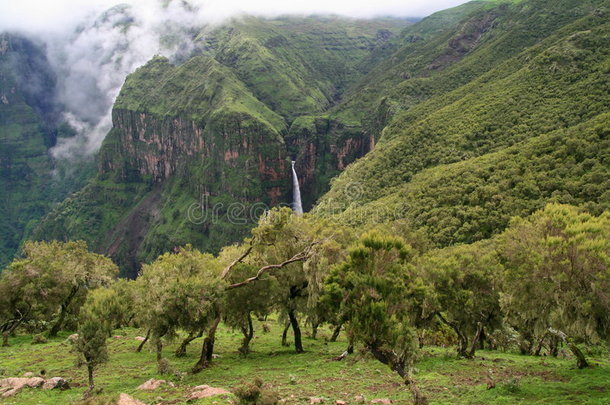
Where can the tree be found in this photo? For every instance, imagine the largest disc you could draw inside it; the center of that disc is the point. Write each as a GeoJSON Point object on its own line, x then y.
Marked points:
{"type": "Point", "coordinates": [465, 291]}
{"type": "Point", "coordinates": [180, 290]}
{"type": "Point", "coordinates": [93, 330]}
{"type": "Point", "coordinates": [50, 282]}
{"type": "Point", "coordinates": [241, 303]}
{"type": "Point", "coordinates": [557, 276]}
{"type": "Point", "coordinates": [378, 299]}
{"type": "Point", "coordinates": [284, 238]}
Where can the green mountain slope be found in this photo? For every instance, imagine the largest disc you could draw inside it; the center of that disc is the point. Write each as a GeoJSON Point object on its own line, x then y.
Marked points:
{"type": "Point", "coordinates": [557, 87]}
{"type": "Point", "coordinates": [198, 150]}
{"type": "Point", "coordinates": [30, 180]}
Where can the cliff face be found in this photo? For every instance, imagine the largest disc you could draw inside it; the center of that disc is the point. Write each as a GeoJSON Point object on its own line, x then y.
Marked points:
{"type": "Point", "coordinates": [199, 150]}
{"type": "Point", "coordinates": [323, 147]}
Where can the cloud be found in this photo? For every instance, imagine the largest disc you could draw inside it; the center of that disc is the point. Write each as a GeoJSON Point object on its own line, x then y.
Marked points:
{"type": "Point", "coordinates": [93, 47]}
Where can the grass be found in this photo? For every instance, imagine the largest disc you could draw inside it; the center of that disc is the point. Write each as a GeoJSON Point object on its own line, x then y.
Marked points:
{"type": "Point", "coordinates": [297, 377]}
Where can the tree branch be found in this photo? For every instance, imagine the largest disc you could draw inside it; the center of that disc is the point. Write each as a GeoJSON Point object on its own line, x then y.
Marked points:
{"type": "Point", "coordinates": [299, 257]}
{"type": "Point", "coordinates": [227, 269]}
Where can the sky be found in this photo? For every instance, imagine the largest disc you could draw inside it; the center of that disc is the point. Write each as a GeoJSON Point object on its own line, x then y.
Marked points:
{"type": "Point", "coordinates": [92, 54]}
{"type": "Point", "coordinates": [45, 15]}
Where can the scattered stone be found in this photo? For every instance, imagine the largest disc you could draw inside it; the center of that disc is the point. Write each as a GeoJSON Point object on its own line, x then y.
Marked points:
{"type": "Point", "coordinates": [125, 399]}
{"type": "Point", "coordinates": [382, 401]}
{"type": "Point", "coordinates": [140, 338]}
{"type": "Point", "coordinates": [73, 337]}
{"type": "Point", "coordinates": [205, 391]}
{"type": "Point", "coordinates": [316, 400]}
{"type": "Point", "coordinates": [11, 386]}
{"type": "Point", "coordinates": [117, 337]}
{"type": "Point", "coordinates": [56, 383]}
{"type": "Point", "coordinates": [215, 356]}
{"type": "Point", "coordinates": [339, 402]}
{"type": "Point", "coordinates": [28, 374]}
{"type": "Point", "coordinates": [151, 385]}
{"type": "Point", "coordinates": [359, 398]}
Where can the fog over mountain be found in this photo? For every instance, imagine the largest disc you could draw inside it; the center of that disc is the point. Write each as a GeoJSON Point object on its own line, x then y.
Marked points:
{"type": "Point", "coordinates": [93, 47]}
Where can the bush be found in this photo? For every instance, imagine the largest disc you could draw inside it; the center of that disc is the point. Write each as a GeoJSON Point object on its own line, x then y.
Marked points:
{"type": "Point", "coordinates": [39, 339]}
{"type": "Point", "coordinates": [512, 385]}
{"type": "Point", "coordinates": [163, 367]}
{"type": "Point", "coordinates": [254, 393]}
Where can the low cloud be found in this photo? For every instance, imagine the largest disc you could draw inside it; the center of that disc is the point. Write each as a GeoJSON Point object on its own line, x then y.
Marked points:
{"type": "Point", "coordinates": [93, 47]}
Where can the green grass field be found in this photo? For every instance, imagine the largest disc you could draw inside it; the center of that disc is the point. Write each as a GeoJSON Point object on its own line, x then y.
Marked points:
{"type": "Point", "coordinates": [297, 377]}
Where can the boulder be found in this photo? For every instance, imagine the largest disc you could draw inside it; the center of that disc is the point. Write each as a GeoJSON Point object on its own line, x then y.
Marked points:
{"type": "Point", "coordinates": [125, 399]}
{"type": "Point", "coordinates": [55, 383]}
{"type": "Point", "coordinates": [11, 386]}
{"type": "Point", "coordinates": [151, 385]}
{"type": "Point", "coordinates": [205, 391]}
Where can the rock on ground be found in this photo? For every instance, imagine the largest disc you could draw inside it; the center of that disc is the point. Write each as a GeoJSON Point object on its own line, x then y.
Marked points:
{"type": "Point", "coordinates": [151, 385]}
{"type": "Point", "coordinates": [55, 383]}
{"type": "Point", "coordinates": [125, 399]}
{"type": "Point", "coordinates": [11, 386]}
{"type": "Point", "coordinates": [382, 401]}
{"type": "Point", "coordinates": [205, 391]}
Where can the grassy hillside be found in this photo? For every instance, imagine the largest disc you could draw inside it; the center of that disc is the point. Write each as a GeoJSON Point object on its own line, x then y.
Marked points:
{"type": "Point", "coordinates": [298, 377]}
{"type": "Point", "coordinates": [553, 93]}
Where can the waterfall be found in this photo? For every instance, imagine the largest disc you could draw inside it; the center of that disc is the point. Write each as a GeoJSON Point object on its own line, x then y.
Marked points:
{"type": "Point", "coordinates": [296, 192]}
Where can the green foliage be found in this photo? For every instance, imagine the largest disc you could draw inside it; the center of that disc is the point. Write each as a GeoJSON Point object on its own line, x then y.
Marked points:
{"type": "Point", "coordinates": [91, 342]}
{"type": "Point", "coordinates": [179, 290]}
{"type": "Point", "coordinates": [557, 274]}
{"type": "Point", "coordinates": [459, 164]}
{"type": "Point", "coordinates": [50, 282]}
{"type": "Point", "coordinates": [465, 283]}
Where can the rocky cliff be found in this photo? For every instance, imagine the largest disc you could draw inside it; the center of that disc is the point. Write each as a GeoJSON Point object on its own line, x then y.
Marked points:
{"type": "Point", "coordinates": [199, 150]}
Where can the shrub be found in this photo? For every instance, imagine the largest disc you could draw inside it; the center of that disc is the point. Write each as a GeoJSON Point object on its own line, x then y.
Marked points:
{"type": "Point", "coordinates": [39, 339]}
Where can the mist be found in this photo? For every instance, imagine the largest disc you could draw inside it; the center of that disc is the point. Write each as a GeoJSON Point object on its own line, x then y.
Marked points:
{"type": "Point", "coordinates": [93, 47]}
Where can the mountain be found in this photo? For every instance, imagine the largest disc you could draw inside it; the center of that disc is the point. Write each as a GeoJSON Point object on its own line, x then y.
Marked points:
{"type": "Point", "coordinates": [199, 149]}
{"type": "Point", "coordinates": [30, 179]}
{"type": "Point", "coordinates": [451, 126]}
{"type": "Point", "coordinates": [501, 121]}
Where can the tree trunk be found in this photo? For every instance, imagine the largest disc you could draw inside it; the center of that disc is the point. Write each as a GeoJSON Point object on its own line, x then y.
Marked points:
{"type": "Point", "coordinates": [142, 343]}
{"type": "Point", "coordinates": [462, 349]}
{"type": "Point", "coordinates": [314, 329]}
{"type": "Point", "coordinates": [181, 350]}
{"type": "Point", "coordinates": [62, 313]}
{"type": "Point", "coordinates": [298, 344]}
{"type": "Point", "coordinates": [475, 340]}
{"type": "Point", "coordinates": [89, 390]}
{"type": "Point", "coordinates": [159, 347]}
{"type": "Point", "coordinates": [540, 345]}
{"type": "Point", "coordinates": [389, 358]}
{"type": "Point", "coordinates": [5, 339]}
{"type": "Point", "coordinates": [581, 361]}
{"type": "Point", "coordinates": [336, 332]}
{"type": "Point", "coordinates": [285, 335]}
{"type": "Point", "coordinates": [207, 349]}
{"type": "Point", "coordinates": [553, 346]}
{"type": "Point", "coordinates": [248, 335]}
